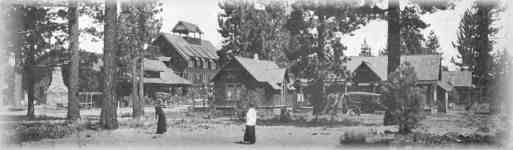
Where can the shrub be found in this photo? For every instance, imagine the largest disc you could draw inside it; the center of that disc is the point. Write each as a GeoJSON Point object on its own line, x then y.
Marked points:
{"type": "Point", "coordinates": [353, 137]}
{"type": "Point", "coordinates": [38, 131]}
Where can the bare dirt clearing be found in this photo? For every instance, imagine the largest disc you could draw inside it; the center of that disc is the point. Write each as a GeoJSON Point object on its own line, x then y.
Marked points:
{"type": "Point", "coordinates": [192, 130]}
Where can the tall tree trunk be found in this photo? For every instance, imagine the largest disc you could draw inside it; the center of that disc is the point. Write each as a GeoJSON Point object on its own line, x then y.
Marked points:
{"type": "Point", "coordinates": [30, 84]}
{"type": "Point", "coordinates": [29, 22]}
{"type": "Point", "coordinates": [394, 35]}
{"type": "Point", "coordinates": [393, 47]}
{"type": "Point", "coordinates": [484, 48]}
{"type": "Point", "coordinates": [137, 107]}
{"type": "Point", "coordinates": [141, 84]}
{"type": "Point", "coordinates": [108, 117]}
{"type": "Point", "coordinates": [73, 104]}
{"type": "Point", "coordinates": [140, 58]}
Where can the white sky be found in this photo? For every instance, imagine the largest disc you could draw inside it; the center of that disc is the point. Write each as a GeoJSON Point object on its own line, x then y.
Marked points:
{"type": "Point", "coordinates": [444, 23]}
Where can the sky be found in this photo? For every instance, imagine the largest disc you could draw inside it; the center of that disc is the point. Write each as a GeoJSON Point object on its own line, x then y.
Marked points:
{"type": "Point", "coordinates": [444, 23]}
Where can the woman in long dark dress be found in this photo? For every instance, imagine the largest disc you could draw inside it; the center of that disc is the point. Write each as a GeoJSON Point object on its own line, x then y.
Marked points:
{"type": "Point", "coordinates": [161, 117]}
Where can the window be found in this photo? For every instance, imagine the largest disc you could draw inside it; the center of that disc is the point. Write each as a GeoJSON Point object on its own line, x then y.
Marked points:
{"type": "Point", "coordinates": [199, 63]}
{"type": "Point", "coordinates": [190, 63]}
{"type": "Point", "coordinates": [233, 91]}
{"type": "Point", "coordinates": [213, 65]}
{"type": "Point", "coordinates": [151, 74]}
{"type": "Point", "coordinates": [209, 65]}
{"type": "Point", "coordinates": [205, 63]}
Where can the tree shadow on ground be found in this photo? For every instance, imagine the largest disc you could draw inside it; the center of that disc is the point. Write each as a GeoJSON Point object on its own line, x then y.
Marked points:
{"type": "Point", "coordinates": [314, 123]}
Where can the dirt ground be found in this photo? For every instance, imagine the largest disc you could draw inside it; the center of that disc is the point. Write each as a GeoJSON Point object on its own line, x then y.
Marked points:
{"type": "Point", "coordinates": [193, 131]}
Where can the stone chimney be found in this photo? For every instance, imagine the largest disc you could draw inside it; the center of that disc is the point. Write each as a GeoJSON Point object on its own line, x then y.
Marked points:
{"type": "Point", "coordinates": [57, 94]}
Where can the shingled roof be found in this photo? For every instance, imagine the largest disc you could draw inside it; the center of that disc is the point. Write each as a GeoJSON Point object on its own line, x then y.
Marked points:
{"type": "Point", "coordinates": [186, 28]}
{"type": "Point", "coordinates": [167, 75]}
{"type": "Point", "coordinates": [458, 78]}
{"type": "Point", "coordinates": [153, 65]}
{"type": "Point", "coordinates": [263, 71]}
{"type": "Point", "coordinates": [427, 67]}
{"type": "Point", "coordinates": [190, 47]}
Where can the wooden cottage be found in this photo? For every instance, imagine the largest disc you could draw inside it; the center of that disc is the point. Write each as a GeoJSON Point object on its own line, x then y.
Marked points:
{"type": "Point", "coordinates": [370, 72]}
{"type": "Point", "coordinates": [245, 80]}
{"type": "Point", "coordinates": [461, 80]}
{"type": "Point", "coordinates": [190, 56]}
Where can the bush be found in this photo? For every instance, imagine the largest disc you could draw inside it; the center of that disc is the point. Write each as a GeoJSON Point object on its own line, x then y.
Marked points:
{"type": "Point", "coordinates": [448, 138]}
{"type": "Point", "coordinates": [353, 137]}
{"type": "Point", "coordinates": [38, 131]}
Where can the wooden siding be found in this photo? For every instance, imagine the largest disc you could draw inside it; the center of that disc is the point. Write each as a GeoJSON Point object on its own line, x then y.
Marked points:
{"type": "Point", "coordinates": [261, 93]}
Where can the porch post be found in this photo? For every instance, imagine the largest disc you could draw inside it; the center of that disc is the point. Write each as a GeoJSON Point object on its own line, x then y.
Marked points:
{"type": "Point", "coordinates": [434, 88]}
{"type": "Point", "coordinates": [446, 101]}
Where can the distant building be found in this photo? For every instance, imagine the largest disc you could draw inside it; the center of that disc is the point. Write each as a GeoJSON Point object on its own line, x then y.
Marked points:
{"type": "Point", "coordinates": [246, 80]}
{"type": "Point", "coordinates": [191, 57]}
{"type": "Point", "coordinates": [369, 72]}
{"type": "Point", "coordinates": [461, 80]}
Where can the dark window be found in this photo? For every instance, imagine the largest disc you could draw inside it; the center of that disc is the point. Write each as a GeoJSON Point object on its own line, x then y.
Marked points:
{"type": "Point", "coordinates": [151, 74]}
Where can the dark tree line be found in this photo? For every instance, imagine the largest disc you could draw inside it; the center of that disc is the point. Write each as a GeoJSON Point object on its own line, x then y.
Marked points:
{"type": "Point", "coordinates": [38, 34]}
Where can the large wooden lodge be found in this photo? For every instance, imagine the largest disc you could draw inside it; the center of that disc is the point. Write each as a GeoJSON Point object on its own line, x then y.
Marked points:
{"type": "Point", "coordinates": [190, 56]}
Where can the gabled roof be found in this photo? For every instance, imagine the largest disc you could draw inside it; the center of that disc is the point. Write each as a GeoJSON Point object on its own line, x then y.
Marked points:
{"type": "Point", "coordinates": [427, 67]}
{"type": "Point", "coordinates": [458, 78]}
{"type": "Point", "coordinates": [167, 75]}
{"type": "Point", "coordinates": [186, 28]}
{"type": "Point", "coordinates": [190, 47]}
{"type": "Point", "coordinates": [263, 71]}
{"type": "Point", "coordinates": [153, 65]}
{"type": "Point", "coordinates": [373, 68]}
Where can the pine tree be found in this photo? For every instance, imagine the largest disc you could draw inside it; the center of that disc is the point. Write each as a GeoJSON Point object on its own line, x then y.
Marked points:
{"type": "Point", "coordinates": [247, 30]}
{"type": "Point", "coordinates": [315, 48]}
{"type": "Point", "coordinates": [432, 45]}
{"type": "Point", "coordinates": [402, 98]}
{"type": "Point", "coordinates": [108, 116]}
{"type": "Point", "coordinates": [138, 25]}
{"type": "Point", "coordinates": [411, 26]}
{"type": "Point", "coordinates": [474, 44]}
{"type": "Point", "coordinates": [73, 104]}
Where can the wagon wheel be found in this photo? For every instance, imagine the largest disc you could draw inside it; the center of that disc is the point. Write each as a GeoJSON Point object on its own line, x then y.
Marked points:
{"type": "Point", "coordinates": [355, 108]}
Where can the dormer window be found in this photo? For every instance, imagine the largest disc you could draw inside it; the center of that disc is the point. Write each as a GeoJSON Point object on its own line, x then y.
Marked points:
{"type": "Point", "coordinates": [151, 74]}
